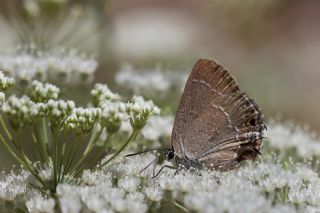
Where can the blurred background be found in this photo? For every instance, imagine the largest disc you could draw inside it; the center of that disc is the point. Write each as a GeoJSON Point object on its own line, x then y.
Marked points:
{"type": "Point", "coordinates": [272, 47]}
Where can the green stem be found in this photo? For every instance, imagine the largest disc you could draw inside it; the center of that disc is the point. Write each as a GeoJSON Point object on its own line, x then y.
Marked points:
{"type": "Point", "coordinates": [94, 137]}
{"type": "Point", "coordinates": [72, 155]}
{"type": "Point", "coordinates": [22, 161]}
{"type": "Point", "coordinates": [38, 147]}
{"type": "Point", "coordinates": [132, 137]}
{"type": "Point", "coordinates": [97, 156]}
{"type": "Point", "coordinates": [60, 172]}
{"type": "Point", "coordinates": [63, 150]}
{"type": "Point", "coordinates": [32, 170]}
{"type": "Point", "coordinates": [67, 161]}
{"type": "Point", "coordinates": [5, 128]}
{"type": "Point", "coordinates": [180, 206]}
{"type": "Point", "coordinates": [45, 139]}
{"type": "Point", "coordinates": [55, 159]}
{"type": "Point", "coordinates": [10, 149]}
{"type": "Point", "coordinates": [108, 139]}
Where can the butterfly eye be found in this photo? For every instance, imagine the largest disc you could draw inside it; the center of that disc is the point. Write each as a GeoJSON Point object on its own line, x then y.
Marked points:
{"type": "Point", "coordinates": [170, 155]}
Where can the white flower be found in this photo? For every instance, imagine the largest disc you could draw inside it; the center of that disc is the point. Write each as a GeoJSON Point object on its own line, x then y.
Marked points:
{"type": "Point", "coordinates": [166, 182]}
{"type": "Point", "coordinates": [121, 166]}
{"type": "Point", "coordinates": [135, 203]}
{"type": "Point", "coordinates": [41, 92]}
{"type": "Point", "coordinates": [20, 111]}
{"type": "Point", "coordinates": [39, 204]}
{"type": "Point", "coordinates": [12, 185]}
{"type": "Point", "coordinates": [69, 198]}
{"type": "Point", "coordinates": [5, 82]}
{"type": "Point", "coordinates": [138, 81]}
{"type": "Point", "coordinates": [65, 66]}
{"type": "Point", "coordinates": [2, 98]}
{"type": "Point", "coordinates": [154, 193]}
{"type": "Point", "coordinates": [101, 92]}
{"type": "Point", "coordinates": [45, 171]}
{"type": "Point", "coordinates": [9, 191]}
{"type": "Point", "coordinates": [82, 120]}
{"type": "Point", "coordinates": [288, 135]}
{"type": "Point", "coordinates": [278, 208]}
{"type": "Point", "coordinates": [129, 184]}
{"type": "Point", "coordinates": [96, 178]}
{"type": "Point", "coordinates": [113, 113]}
{"type": "Point", "coordinates": [58, 110]}
{"type": "Point", "coordinates": [139, 111]}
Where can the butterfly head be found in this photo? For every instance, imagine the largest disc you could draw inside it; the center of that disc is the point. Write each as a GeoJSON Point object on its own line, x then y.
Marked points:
{"type": "Point", "coordinates": [169, 154]}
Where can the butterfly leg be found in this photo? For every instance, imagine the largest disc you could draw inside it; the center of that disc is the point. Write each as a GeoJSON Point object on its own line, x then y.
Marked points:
{"type": "Point", "coordinates": [160, 170]}
{"type": "Point", "coordinates": [155, 161]}
{"type": "Point", "coordinates": [177, 171]}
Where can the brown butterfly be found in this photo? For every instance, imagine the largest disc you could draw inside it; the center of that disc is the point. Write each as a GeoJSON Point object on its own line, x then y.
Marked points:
{"type": "Point", "coordinates": [216, 125]}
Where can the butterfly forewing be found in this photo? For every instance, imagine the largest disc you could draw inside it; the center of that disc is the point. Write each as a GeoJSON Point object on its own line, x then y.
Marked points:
{"type": "Point", "coordinates": [216, 123]}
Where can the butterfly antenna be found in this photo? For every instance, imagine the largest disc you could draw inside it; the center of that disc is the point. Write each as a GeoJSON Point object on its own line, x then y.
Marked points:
{"type": "Point", "coordinates": [138, 153]}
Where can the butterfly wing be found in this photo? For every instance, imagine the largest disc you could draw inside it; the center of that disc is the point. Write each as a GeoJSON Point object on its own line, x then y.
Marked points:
{"type": "Point", "coordinates": [215, 120]}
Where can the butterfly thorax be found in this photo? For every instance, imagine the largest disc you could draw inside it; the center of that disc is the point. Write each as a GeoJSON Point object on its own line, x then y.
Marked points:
{"type": "Point", "coordinates": [185, 162]}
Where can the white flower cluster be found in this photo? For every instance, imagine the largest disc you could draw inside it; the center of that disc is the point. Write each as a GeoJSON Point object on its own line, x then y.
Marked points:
{"type": "Point", "coordinates": [139, 110]}
{"type": "Point", "coordinates": [2, 98]}
{"type": "Point", "coordinates": [82, 120]}
{"type": "Point", "coordinates": [102, 198]}
{"type": "Point", "coordinates": [59, 109]}
{"type": "Point", "coordinates": [155, 80]}
{"type": "Point", "coordinates": [287, 135]}
{"type": "Point", "coordinates": [95, 177]}
{"type": "Point", "coordinates": [257, 187]}
{"type": "Point", "coordinates": [13, 184]}
{"type": "Point", "coordinates": [41, 92]}
{"type": "Point", "coordinates": [5, 82]}
{"type": "Point", "coordinates": [101, 92]}
{"type": "Point", "coordinates": [55, 64]}
{"type": "Point", "coordinates": [38, 203]}
{"type": "Point", "coordinates": [113, 114]}
{"type": "Point", "coordinates": [20, 111]}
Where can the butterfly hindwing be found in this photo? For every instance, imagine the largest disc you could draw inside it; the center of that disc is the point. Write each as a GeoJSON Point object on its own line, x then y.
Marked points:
{"type": "Point", "coordinates": [216, 123]}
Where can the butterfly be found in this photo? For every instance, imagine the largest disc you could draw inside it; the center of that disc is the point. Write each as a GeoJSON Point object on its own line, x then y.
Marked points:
{"type": "Point", "coordinates": [217, 125]}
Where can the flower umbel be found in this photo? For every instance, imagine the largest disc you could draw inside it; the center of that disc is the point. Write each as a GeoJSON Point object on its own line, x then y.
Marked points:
{"type": "Point", "coordinates": [113, 113]}
{"type": "Point", "coordinates": [5, 82]}
{"type": "Point", "coordinates": [56, 64]}
{"type": "Point", "coordinates": [64, 136]}
{"type": "Point", "coordinates": [41, 92]}
{"type": "Point", "coordinates": [82, 120]}
{"type": "Point", "coordinates": [139, 111]}
{"type": "Point", "coordinates": [57, 110]}
{"type": "Point", "coordinates": [20, 111]}
{"type": "Point", "coordinates": [101, 92]}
